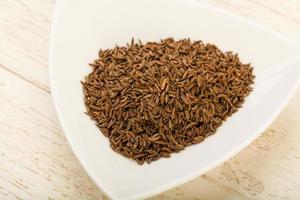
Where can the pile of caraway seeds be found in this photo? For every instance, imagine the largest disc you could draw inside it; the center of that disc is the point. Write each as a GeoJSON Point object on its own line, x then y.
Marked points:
{"type": "Point", "coordinates": [151, 100]}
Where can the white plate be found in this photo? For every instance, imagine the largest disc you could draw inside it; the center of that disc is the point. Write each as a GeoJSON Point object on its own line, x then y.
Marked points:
{"type": "Point", "coordinates": [80, 28]}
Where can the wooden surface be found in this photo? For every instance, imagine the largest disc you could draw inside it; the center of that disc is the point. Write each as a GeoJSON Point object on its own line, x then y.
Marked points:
{"type": "Point", "coordinates": [36, 162]}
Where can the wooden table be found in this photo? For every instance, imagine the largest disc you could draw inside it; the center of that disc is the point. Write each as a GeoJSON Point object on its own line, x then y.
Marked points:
{"type": "Point", "coordinates": [36, 161]}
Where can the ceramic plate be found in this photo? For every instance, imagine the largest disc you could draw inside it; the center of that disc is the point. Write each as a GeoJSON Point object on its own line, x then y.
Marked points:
{"type": "Point", "coordinates": [81, 28]}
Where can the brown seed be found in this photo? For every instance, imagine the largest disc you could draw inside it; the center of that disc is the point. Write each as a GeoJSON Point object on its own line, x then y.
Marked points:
{"type": "Point", "coordinates": [198, 139]}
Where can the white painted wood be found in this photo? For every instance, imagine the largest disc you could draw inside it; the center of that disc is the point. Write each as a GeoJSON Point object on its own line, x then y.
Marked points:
{"type": "Point", "coordinates": [36, 162]}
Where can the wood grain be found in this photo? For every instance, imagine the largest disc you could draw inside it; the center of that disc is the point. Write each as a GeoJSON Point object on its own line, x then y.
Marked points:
{"type": "Point", "coordinates": [36, 162]}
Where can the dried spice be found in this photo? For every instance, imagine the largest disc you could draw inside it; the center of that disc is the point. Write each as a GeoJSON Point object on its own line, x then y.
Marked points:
{"type": "Point", "coordinates": [157, 98]}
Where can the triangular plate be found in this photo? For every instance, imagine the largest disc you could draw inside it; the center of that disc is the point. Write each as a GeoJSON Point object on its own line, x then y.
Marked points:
{"type": "Point", "coordinates": [80, 28]}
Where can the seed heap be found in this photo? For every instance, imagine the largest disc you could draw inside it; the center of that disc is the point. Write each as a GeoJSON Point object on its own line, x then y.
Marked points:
{"type": "Point", "coordinates": [154, 99]}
